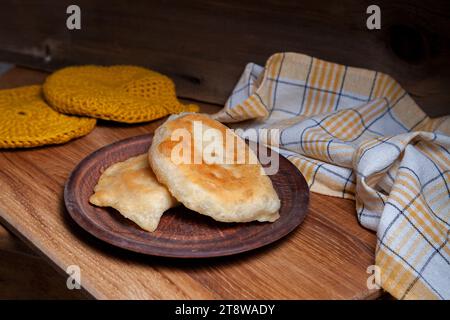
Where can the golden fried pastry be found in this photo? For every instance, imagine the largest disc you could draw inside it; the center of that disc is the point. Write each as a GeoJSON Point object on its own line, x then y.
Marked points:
{"type": "Point", "coordinates": [131, 188]}
{"type": "Point", "coordinates": [218, 178]}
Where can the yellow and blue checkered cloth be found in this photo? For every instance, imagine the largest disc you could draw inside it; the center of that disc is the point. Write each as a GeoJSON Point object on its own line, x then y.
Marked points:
{"type": "Point", "coordinates": [355, 133]}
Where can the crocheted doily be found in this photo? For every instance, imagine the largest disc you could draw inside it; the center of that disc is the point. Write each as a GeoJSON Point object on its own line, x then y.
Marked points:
{"type": "Point", "coordinates": [27, 121]}
{"type": "Point", "coordinates": [120, 93]}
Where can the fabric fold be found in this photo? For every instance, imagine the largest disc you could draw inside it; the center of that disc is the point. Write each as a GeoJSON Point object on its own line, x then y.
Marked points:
{"type": "Point", "coordinates": [357, 134]}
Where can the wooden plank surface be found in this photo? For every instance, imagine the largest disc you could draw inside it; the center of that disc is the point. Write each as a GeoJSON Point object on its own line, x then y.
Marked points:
{"type": "Point", "coordinates": [204, 45]}
{"type": "Point", "coordinates": [326, 257]}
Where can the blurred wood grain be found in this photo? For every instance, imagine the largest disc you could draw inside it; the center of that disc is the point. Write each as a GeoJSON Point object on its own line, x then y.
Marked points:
{"type": "Point", "coordinates": [204, 45]}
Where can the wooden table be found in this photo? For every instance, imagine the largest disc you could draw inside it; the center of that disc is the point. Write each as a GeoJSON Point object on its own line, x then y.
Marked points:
{"type": "Point", "coordinates": [325, 258]}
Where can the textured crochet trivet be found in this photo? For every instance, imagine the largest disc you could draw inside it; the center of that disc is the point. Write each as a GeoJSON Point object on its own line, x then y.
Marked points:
{"type": "Point", "coordinates": [27, 121]}
{"type": "Point", "coordinates": [120, 93]}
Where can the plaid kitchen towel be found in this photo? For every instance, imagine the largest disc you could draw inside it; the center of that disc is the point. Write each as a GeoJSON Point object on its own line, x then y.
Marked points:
{"type": "Point", "coordinates": [355, 133]}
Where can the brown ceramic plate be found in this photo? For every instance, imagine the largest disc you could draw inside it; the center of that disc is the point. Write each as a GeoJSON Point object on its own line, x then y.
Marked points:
{"type": "Point", "coordinates": [181, 233]}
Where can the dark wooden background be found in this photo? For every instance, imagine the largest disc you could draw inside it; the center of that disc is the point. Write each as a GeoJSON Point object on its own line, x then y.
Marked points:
{"type": "Point", "coordinates": [204, 45]}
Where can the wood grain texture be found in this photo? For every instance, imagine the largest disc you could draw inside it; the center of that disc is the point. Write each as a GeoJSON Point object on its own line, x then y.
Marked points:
{"type": "Point", "coordinates": [181, 233]}
{"type": "Point", "coordinates": [204, 45]}
{"type": "Point", "coordinates": [325, 258]}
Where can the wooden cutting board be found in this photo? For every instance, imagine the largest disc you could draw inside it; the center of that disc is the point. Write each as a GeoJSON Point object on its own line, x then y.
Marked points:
{"type": "Point", "coordinates": [325, 258]}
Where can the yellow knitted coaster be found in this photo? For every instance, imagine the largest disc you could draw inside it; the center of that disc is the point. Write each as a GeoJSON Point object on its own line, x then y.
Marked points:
{"type": "Point", "coordinates": [27, 121]}
{"type": "Point", "coordinates": [120, 93]}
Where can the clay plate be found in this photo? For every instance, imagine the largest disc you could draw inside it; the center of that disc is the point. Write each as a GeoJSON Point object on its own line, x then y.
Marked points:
{"type": "Point", "coordinates": [181, 233]}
